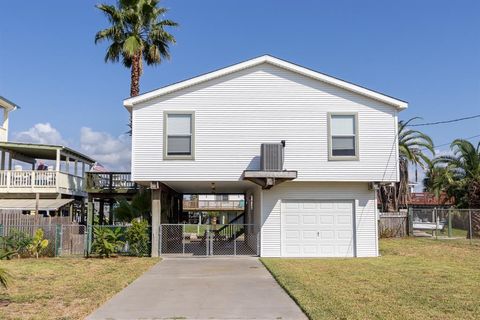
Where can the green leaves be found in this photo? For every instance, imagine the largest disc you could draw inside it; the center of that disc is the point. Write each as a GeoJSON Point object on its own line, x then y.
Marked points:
{"type": "Point", "coordinates": [39, 244]}
{"type": "Point", "coordinates": [139, 207]}
{"type": "Point", "coordinates": [107, 240]}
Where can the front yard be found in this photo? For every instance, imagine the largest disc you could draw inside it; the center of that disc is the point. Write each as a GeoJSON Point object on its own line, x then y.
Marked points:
{"type": "Point", "coordinates": [414, 279]}
{"type": "Point", "coordinates": [65, 288]}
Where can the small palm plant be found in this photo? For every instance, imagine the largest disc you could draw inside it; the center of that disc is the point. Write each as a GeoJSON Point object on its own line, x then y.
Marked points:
{"type": "Point", "coordinates": [107, 241]}
{"type": "Point", "coordinates": [4, 274]}
{"type": "Point", "coordinates": [38, 244]}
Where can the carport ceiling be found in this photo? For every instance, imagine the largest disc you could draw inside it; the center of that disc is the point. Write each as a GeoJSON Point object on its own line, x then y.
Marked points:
{"type": "Point", "coordinates": [206, 186]}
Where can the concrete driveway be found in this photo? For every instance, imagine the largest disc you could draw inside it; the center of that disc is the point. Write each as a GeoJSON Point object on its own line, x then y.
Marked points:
{"type": "Point", "coordinates": [202, 288]}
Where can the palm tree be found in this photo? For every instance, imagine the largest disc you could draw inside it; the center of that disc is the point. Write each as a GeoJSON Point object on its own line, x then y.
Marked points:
{"type": "Point", "coordinates": [136, 34]}
{"type": "Point", "coordinates": [412, 145]}
{"type": "Point", "coordinates": [460, 177]}
{"type": "Point", "coordinates": [139, 207]}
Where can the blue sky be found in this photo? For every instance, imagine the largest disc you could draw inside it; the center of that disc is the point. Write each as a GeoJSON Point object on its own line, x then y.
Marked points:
{"type": "Point", "coordinates": [425, 52]}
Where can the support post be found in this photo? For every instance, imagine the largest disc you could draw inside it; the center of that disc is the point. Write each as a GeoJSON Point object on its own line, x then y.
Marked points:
{"type": "Point", "coordinates": [449, 223]}
{"type": "Point", "coordinates": [101, 212]}
{"type": "Point", "coordinates": [58, 240]}
{"type": "Point", "coordinates": [75, 167]}
{"type": "Point", "coordinates": [110, 211]}
{"type": "Point", "coordinates": [37, 200]}
{"type": "Point", "coordinates": [90, 211]}
{"type": "Point", "coordinates": [2, 164]}
{"type": "Point", "coordinates": [156, 219]}
{"type": "Point", "coordinates": [410, 221]}
{"type": "Point", "coordinates": [57, 161]}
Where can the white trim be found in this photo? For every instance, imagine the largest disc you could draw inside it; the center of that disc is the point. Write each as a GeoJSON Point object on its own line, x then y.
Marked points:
{"type": "Point", "coordinates": [131, 102]}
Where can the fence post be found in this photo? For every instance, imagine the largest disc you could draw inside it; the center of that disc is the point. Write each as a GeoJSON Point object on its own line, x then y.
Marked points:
{"type": "Point", "coordinates": [183, 239]}
{"type": "Point", "coordinates": [470, 231]}
{"type": "Point", "coordinates": [159, 240]}
{"type": "Point", "coordinates": [1, 230]}
{"type": "Point", "coordinates": [449, 223]}
{"type": "Point", "coordinates": [58, 240]}
{"type": "Point", "coordinates": [85, 241]}
{"type": "Point", "coordinates": [234, 241]}
{"type": "Point", "coordinates": [207, 240]}
{"type": "Point", "coordinates": [89, 240]}
{"type": "Point", "coordinates": [410, 221]}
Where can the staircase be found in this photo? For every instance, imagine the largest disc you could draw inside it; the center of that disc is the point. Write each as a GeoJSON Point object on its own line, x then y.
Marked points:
{"type": "Point", "coordinates": [233, 229]}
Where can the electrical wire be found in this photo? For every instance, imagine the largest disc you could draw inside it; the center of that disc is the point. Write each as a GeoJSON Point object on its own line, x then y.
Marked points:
{"type": "Point", "coordinates": [443, 122]}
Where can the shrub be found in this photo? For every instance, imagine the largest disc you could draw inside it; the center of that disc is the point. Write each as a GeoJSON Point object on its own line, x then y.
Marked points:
{"type": "Point", "coordinates": [107, 241]}
{"type": "Point", "coordinates": [15, 244]}
{"type": "Point", "coordinates": [138, 238]}
{"type": "Point", "coordinates": [38, 244]}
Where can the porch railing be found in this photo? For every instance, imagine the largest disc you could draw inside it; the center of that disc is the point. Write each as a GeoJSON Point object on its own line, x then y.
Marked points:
{"type": "Point", "coordinates": [110, 182]}
{"type": "Point", "coordinates": [38, 179]}
{"type": "Point", "coordinates": [213, 205]}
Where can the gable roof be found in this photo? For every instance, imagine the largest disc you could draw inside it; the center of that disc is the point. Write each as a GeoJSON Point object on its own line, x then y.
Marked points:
{"type": "Point", "coordinates": [7, 104]}
{"type": "Point", "coordinates": [397, 103]}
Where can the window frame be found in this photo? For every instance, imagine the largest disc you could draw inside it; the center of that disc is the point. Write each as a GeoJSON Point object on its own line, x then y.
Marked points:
{"type": "Point", "coordinates": [166, 156]}
{"type": "Point", "coordinates": [331, 157]}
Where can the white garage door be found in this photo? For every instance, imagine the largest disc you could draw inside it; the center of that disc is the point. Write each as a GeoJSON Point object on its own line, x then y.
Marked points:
{"type": "Point", "coordinates": [314, 228]}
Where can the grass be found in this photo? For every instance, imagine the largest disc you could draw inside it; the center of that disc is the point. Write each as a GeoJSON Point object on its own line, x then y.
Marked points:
{"type": "Point", "coordinates": [65, 288]}
{"type": "Point", "coordinates": [413, 279]}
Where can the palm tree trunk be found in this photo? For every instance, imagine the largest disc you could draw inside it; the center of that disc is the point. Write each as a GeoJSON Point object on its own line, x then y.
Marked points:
{"type": "Point", "coordinates": [135, 75]}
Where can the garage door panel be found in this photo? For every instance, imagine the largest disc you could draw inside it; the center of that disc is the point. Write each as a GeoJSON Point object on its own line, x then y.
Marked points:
{"type": "Point", "coordinates": [317, 228]}
{"type": "Point", "coordinates": [292, 219]}
{"type": "Point", "coordinates": [309, 219]}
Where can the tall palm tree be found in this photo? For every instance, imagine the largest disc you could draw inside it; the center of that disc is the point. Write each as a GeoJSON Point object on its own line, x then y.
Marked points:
{"type": "Point", "coordinates": [136, 34]}
{"type": "Point", "coordinates": [460, 177]}
{"type": "Point", "coordinates": [412, 145]}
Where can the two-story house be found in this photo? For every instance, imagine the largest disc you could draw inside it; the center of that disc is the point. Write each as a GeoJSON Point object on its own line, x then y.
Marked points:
{"type": "Point", "coordinates": [338, 141]}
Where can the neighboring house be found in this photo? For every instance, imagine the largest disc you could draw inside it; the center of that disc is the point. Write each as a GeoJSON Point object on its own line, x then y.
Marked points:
{"type": "Point", "coordinates": [225, 207]}
{"type": "Point", "coordinates": [6, 106]}
{"type": "Point", "coordinates": [339, 141]}
{"type": "Point", "coordinates": [38, 178]}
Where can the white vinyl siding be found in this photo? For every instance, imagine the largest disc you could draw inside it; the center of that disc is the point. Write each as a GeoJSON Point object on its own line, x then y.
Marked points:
{"type": "Point", "coordinates": [358, 193]}
{"type": "Point", "coordinates": [234, 114]}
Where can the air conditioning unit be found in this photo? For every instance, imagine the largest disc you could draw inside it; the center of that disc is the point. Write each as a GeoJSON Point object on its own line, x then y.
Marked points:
{"type": "Point", "coordinates": [271, 157]}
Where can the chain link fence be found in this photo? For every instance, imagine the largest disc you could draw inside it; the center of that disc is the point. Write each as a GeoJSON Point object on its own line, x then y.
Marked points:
{"type": "Point", "coordinates": [77, 240]}
{"type": "Point", "coordinates": [446, 222]}
{"type": "Point", "coordinates": [209, 240]}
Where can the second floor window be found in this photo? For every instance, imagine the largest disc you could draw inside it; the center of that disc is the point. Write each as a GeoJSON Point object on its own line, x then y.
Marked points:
{"type": "Point", "coordinates": [179, 135]}
{"type": "Point", "coordinates": [343, 136]}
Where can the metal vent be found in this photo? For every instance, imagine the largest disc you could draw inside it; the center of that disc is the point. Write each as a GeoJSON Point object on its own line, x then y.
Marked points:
{"type": "Point", "coordinates": [271, 157]}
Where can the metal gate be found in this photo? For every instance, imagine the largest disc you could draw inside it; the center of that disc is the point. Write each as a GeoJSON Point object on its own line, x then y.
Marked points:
{"type": "Point", "coordinates": [209, 240]}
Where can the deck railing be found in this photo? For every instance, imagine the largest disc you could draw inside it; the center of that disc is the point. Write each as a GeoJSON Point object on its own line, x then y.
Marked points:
{"type": "Point", "coordinates": [39, 180]}
{"type": "Point", "coordinates": [213, 205]}
{"type": "Point", "coordinates": [110, 181]}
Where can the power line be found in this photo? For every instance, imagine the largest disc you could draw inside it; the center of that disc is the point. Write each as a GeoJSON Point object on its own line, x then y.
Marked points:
{"type": "Point", "coordinates": [449, 143]}
{"type": "Point", "coordinates": [443, 122]}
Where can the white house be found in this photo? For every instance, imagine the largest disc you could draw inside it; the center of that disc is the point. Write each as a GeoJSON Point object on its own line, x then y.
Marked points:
{"type": "Point", "coordinates": [339, 142]}
{"type": "Point", "coordinates": [6, 106]}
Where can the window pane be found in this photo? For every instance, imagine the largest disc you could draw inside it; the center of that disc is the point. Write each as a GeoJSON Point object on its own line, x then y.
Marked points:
{"type": "Point", "coordinates": [179, 145]}
{"type": "Point", "coordinates": [343, 125]}
{"type": "Point", "coordinates": [179, 124]}
{"type": "Point", "coordinates": [343, 146]}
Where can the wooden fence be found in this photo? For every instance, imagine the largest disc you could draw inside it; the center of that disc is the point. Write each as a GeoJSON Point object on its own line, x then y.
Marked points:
{"type": "Point", "coordinates": [17, 218]}
{"type": "Point", "coordinates": [393, 224]}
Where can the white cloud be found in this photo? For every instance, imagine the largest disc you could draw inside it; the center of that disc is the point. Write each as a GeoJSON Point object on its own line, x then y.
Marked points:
{"type": "Point", "coordinates": [42, 133]}
{"type": "Point", "coordinates": [114, 153]}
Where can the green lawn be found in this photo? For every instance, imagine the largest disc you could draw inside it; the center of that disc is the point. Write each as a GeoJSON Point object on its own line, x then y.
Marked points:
{"type": "Point", "coordinates": [65, 288]}
{"type": "Point", "coordinates": [414, 279]}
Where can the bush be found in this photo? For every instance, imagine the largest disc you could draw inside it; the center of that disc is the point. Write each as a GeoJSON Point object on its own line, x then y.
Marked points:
{"type": "Point", "coordinates": [38, 244]}
{"type": "Point", "coordinates": [15, 244]}
{"type": "Point", "coordinates": [107, 241]}
{"type": "Point", "coordinates": [138, 238]}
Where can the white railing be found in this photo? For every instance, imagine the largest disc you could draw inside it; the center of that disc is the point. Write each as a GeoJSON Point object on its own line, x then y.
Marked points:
{"type": "Point", "coordinates": [29, 180]}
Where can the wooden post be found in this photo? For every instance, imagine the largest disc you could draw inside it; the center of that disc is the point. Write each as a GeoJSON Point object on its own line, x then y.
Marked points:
{"type": "Point", "coordinates": [410, 221]}
{"type": "Point", "coordinates": [37, 200]}
{"type": "Point", "coordinates": [90, 211]}
{"type": "Point", "coordinates": [75, 167]}
{"type": "Point", "coordinates": [110, 211]}
{"type": "Point", "coordinates": [101, 212]}
{"type": "Point", "coordinates": [156, 220]}
{"type": "Point", "coordinates": [2, 164]}
{"type": "Point", "coordinates": [10, 161]}
{"type": "Point", "coordinates": [67, 164]}
{"type": "Point", "coordinates": [449, 223]}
